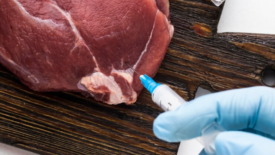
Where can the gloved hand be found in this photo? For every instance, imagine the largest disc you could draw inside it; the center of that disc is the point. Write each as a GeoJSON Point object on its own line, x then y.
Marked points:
{"type": "Point", "coordinates": [235, 111]}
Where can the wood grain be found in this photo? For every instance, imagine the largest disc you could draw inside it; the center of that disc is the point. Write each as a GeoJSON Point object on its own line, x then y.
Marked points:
{"type": "Point", "coordinates": [69, 124]}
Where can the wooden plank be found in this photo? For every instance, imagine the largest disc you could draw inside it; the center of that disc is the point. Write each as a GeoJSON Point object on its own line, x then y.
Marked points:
{"type": "Point", "coordinates": [67, 123]}
{"type": "Point", "coordinates": [219, 61]}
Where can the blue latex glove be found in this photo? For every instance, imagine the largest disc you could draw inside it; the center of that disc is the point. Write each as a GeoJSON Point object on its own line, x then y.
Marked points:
{"type": "Point", "coordinates": [235, 111]}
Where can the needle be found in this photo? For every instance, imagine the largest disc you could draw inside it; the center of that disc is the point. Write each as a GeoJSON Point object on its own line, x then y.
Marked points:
{"type": "Point", "coordinates": [132, 69]}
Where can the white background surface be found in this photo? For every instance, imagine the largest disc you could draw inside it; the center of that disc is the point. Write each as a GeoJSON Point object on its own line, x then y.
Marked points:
{"type": "Point", "coordinates": [9, 150]}
{"type": "Point", "coordinates": [248, 16]}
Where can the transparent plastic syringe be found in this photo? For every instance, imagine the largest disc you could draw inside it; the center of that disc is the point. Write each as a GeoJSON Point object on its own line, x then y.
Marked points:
{"type": "Point", "coordinates": [169, 100]}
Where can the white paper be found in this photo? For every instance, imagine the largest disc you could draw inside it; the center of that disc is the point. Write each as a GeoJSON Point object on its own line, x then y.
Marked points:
{"type": "Point", "coordinates": [248, 16]}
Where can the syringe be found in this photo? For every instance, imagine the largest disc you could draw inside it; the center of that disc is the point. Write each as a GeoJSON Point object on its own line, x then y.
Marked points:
{"type": "Point", "coordinates": [162, 95]}
{"type": "Point", "coordinates": [169, 100]}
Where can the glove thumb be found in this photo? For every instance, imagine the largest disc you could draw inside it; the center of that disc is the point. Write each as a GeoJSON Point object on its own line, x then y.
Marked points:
{"type": "Point", "coordinates": [243, 143]}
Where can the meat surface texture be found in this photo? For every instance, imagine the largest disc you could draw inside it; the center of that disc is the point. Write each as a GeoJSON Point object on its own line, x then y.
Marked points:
{"type": "Point", "coordinates": [85, 45]}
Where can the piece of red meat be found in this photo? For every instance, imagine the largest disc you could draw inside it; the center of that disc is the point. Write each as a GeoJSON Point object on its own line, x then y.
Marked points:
{"type": "Point", "coordinates": [84, 45]}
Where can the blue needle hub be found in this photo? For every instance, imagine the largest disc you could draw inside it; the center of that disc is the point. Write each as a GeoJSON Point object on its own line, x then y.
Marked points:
{"type": "Point", "coordinates": [149, 83]}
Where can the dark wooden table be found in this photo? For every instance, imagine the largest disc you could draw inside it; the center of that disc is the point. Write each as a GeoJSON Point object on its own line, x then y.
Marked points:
{"type": "Point", "coordinates": [69, 124]}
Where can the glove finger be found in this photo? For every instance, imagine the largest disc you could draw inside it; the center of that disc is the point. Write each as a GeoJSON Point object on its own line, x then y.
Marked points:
{"type": "Point", "coordinates": [233, 110]}
{"type": "Point", "coordinates": [234, 143]}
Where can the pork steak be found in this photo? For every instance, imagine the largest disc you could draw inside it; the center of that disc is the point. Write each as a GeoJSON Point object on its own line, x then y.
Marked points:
{"type": "Point", "coordinates": [84, 45]}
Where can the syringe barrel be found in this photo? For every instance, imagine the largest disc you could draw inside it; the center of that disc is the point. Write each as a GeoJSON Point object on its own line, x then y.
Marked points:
{"type": "Point", "coordinates": [167, 98]}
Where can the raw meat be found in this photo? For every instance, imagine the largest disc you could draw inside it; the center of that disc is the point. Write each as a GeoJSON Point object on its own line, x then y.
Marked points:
{"type": "Point", "coordinates": [84, 45]}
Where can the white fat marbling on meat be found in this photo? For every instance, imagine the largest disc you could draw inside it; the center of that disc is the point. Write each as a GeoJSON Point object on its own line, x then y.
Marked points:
{"type": "Point", "coordinates": [33, 79]}
{"type": "Point", "coordinates": [147, 44]}
{"type": "Point", "coordinates": [171, 28]}
{"type": "Point", "coordinates": [79, 39]}
{"type": "Point", "coordinates": [18, 68]}
{"type": "Point", "coordinates": [92, 82]}
{"type": "Point", "coordinates": [126, 74]}
{"type": "Point", "coordinates": [46, 21]}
